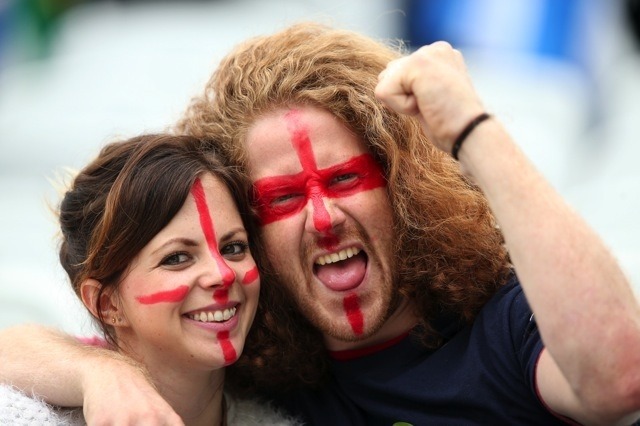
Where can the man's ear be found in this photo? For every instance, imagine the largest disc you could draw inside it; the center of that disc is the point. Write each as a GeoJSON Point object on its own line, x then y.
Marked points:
{"type": "Point", "coordinates": [105, 302]}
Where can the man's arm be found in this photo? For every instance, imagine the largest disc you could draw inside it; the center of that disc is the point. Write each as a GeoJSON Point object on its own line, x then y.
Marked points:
{"type": "Point", "coordinates": [57, 367]}
{"type": "Point", "coordinates": [585, 309]}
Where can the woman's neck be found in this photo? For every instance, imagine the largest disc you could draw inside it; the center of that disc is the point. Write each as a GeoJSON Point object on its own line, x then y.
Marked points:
{"type": "Point", "coordinates": [195, 395]}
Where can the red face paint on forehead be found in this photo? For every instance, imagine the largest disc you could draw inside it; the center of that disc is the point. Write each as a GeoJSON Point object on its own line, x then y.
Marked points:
{"type": "Point", "coordinates": [228, 276]}
{"type": "Point", "coordinates": [354, 314]}
{"type": "Point", "coordinates": [300, 140]}
{"type": "Point", "coordinates": [280, 197]}
{"type": "Point", "coordinates": [173, 296]}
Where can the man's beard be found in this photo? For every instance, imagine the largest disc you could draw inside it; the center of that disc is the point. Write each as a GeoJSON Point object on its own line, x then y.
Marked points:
{"type": "Point", "coordinates": [388, 296]}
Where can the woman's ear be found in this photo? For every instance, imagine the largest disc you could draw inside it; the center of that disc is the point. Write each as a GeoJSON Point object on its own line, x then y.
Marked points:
{"type": "Point", "coordinates": [104, 303]}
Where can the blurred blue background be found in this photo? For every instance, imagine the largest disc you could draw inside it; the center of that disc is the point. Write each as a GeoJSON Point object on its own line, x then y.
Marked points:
{"type": "Point", "coordinates": [563, 75]}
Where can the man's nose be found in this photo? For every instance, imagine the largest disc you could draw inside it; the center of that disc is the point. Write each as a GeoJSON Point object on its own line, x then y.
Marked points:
{"type": "Point", "coordinates": [323, 214]}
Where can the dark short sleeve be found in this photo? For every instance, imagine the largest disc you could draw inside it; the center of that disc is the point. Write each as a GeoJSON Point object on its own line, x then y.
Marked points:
{"type": "Point", "coordinates": [505, 331]}
{"type": "Point", "coordinates": [525, 335]}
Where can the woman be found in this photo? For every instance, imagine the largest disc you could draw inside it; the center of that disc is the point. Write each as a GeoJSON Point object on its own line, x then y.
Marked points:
{"type": "Point", "coordinates": [155, 247]}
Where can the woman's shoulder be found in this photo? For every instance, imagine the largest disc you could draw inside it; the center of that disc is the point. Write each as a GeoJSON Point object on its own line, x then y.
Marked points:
{"type": "Point", "coordinates": [17, 408]}
{"type": "Point", "coordinates": [250, 412]}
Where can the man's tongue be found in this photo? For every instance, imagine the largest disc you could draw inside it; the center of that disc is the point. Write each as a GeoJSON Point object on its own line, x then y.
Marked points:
{"type": "Point", "coordinates": [343, 275]}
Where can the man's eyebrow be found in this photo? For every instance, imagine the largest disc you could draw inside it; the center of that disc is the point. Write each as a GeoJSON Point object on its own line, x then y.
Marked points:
{"type": "Point", "coordinates": [281, 181]}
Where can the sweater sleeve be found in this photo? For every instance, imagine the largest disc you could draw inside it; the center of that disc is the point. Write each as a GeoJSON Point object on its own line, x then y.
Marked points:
{"type": "Point", "coordinates": [19, 409]}
{"type": "Point", "coordinates": [254, 412]}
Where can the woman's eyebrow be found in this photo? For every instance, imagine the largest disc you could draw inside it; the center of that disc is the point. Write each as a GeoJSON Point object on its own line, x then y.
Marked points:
{"type": "Point", "coordinates": [180, 240]}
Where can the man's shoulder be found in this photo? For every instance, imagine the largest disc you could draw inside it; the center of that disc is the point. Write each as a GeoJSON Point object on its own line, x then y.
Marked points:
{"type": "Point", "coordinates": [508, 297]}
{"type": "Point", "coordinates": [17, 408]}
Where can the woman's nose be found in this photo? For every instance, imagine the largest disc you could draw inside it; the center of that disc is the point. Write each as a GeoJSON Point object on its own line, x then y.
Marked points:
{"type": "Point", "coordinates": [217, 273]}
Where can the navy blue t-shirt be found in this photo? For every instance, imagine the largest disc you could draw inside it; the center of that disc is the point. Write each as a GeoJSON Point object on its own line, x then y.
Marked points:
{"type": "Point", "coordinates": [483, 375]}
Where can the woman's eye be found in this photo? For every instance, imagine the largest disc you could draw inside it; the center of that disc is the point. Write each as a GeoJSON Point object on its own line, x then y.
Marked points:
{"type": "Point", "coordinates": [235, 249]}
{"type": "Point", "coordinates": [175, 259]}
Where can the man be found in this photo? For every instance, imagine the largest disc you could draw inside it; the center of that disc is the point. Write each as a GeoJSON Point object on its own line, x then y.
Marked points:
{"type": "Point", "coordinates": [390, 286]}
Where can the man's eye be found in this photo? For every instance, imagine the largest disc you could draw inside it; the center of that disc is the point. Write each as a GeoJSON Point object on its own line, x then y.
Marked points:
{"type": "Point", "coordinates": [345, 178]}
{"type": "Point", "coordinates": [175, 259]}
{"type": "Point", "coordinates": [235, 249]}
{"type": "Point", "coordinates": [284, 198]}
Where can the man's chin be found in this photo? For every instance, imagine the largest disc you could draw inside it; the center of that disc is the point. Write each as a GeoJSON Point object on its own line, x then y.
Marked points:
{"type": "Point", "coordinates": [342, 341]}
{"type": "Point", "coordinates": [343, 337]}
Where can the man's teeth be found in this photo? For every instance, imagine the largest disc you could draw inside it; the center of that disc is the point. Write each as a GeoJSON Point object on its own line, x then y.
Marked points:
{"type": "Point", "coordinates": [213, 316]}
{"type": "Point", "coordinates": [336, 257]}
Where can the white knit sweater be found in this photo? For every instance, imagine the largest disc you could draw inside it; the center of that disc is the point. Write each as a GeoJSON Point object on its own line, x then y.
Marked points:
{"type": "Point", "coordinates": [18, 409]}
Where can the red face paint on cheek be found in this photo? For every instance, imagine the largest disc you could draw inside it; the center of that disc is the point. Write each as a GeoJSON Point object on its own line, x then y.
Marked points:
{"type": "Point", "coordinates": [228, 276]}
{"type": "Point", "coordinates": [354, 314]}
{"type": "Point", "coordinates": [172, 296]}
{"type": "Point", "coordinates": [228, 351]}
{"type": "Point", "coordinates": [251, 276]}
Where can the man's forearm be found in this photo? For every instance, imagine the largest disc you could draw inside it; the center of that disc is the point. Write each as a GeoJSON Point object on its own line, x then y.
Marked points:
{"type": "Point", "coordinates": [47, 362]}
{"type": "Point", "coordinates": [585, 308]}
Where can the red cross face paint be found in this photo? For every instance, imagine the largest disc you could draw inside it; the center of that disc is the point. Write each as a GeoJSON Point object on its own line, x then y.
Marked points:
{"type": "Point", "coordinates": [221, 296]}
{"type": "Point", "coordinates": [228, 276]}
{"type": "Point", "coordinates": [183, 300]}
{"type": "Point", "coordinates": [327, 221]}
{"type": "Point", "coordinates": [280, 197]}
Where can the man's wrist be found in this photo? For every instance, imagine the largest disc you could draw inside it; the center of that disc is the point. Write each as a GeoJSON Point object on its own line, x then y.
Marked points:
{"type": "Point", "coordinates": [99, 364]}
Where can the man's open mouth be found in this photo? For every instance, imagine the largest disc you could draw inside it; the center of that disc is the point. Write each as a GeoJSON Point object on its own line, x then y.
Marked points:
{"type": "Point", "coordinates": [342, 270]}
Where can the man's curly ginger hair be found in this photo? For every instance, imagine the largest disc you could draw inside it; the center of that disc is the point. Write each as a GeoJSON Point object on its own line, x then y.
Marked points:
{"type": "Point", "coordinates": [449, 252]}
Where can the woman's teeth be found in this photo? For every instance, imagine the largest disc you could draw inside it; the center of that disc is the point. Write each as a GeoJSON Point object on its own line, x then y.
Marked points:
{"type": "Point", "coordinates": [336, 257]}
{"type": "Point", "coordinates": [213, 316]}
